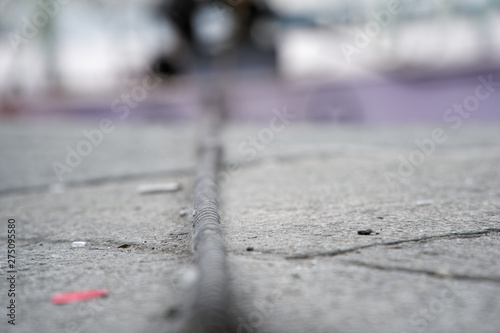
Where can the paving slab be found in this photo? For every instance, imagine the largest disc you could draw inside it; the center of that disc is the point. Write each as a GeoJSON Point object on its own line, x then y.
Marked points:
{"type": "Point", "coordinates": [137, 247]}
{"type": "Point", "coordinates": [431, 263]}
{"type": "Point", "coordinates": [29, 148]}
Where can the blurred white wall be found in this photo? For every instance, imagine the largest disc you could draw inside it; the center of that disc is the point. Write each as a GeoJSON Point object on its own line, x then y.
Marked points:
{"type": "Point", "coordinates": [91, 46]}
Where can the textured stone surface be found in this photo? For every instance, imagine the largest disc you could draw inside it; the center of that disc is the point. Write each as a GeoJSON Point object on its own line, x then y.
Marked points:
{"type": "Point", "coordinates": [142, 277]}
{"type": "Point", "coordinates": [314, 204]}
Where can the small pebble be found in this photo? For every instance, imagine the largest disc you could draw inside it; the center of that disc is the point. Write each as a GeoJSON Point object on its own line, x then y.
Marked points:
{"type": "Point", "coordinates": [172, 312]}
{"type": "Point", "coordinates": [78, 244]}
{"type": "Point", "coordinates": [425, 202]}
{"type": "Point", "coordinates": [365, 232]}
{"type": "Point", "coordinates": [158, 188]}
{"type": "Point", "coordinates": [380, 217]}
{"type": "Point", "coordinates": [250, 248]}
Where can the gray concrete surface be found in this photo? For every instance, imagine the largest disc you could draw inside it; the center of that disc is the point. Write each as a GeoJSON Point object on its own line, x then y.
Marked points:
{"type": "Point", "coordinates": [431, 264]}
{"type": "Point", "coordinates": [29, 148]}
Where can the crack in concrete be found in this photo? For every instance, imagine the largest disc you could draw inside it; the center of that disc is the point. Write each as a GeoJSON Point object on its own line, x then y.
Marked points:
{"type": "Point", "coordinates": [436, 274]}
{"type": "Point", "coordinates": [433, 273]}
{"type": "Point", "coordinates": [332, 253]}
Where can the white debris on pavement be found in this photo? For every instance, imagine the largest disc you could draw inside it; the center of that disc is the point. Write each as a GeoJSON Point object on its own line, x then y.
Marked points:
{"type": "Point", "coordinates": [425, 202]}
{"type": "Point", "coordinates": [184, 211]}
{"type": "Point", "coordinates": [78, 244]}
{"type": "Point", "coordinates": [158, 188]}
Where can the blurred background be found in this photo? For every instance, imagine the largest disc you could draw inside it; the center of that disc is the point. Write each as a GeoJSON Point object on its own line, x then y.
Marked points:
{"type": "Point", "coordinates": [370, 61]}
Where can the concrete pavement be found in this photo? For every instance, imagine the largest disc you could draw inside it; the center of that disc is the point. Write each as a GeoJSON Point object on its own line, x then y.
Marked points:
{"type": "Point", "coordinates": [291, 216]}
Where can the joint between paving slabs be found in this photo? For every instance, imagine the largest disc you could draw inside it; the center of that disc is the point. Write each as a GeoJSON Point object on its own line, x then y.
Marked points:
{"type": "Point", "coordinates": [45, 188]}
